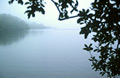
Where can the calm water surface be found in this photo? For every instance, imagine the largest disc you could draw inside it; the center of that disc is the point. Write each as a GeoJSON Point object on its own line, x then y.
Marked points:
{"type": "Point", "coordinates": [45, 54]}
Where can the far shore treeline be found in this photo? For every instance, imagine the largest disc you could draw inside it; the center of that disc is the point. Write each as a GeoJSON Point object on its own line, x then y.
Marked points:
{"type": "Point", "coordinates": [9, 22]}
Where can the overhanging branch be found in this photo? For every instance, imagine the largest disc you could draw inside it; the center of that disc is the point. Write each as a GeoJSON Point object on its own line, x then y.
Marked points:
{"type": "Point", "coordinates": [55, 3]}
{"type": "Point", "coordinates": [67, 17]}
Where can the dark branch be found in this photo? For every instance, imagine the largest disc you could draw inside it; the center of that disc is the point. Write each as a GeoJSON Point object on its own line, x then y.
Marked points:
{"type": "Point", "coordinates": [61, 19]}
{"type": "Point", "coordinates": [56, 5]}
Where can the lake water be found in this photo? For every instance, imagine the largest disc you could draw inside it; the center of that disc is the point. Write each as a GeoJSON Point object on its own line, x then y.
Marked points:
{"type": "Point", "coordinates": [45, 54]}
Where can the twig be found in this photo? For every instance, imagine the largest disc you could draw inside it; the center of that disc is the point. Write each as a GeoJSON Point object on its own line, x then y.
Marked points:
{"type": "Point", "coordinates": [61, 19]}
{"type": "Point", "coordinates": [67, 17]}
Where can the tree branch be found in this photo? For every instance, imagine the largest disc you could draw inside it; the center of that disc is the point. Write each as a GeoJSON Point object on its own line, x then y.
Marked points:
{"type": "Point", "coordinates": [61, 19]}
{"type": "Point", "coordinates": [55, 3]}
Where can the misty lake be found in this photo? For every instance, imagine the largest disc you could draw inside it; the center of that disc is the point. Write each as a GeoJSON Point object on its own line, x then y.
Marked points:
{"type": "Point", "coordinates": [46, 53]}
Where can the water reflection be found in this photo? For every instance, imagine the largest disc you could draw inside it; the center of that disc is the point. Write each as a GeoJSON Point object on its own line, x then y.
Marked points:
{"type": "Point", "coordinates": [9, 37]}
{"type": "Point", "coordinates": [46, 54]}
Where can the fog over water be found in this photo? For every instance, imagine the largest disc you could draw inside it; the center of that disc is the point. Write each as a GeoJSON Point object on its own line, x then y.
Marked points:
{"type": "Point", "coordinates": [53, 52]}
{"type": "Point", "coordinates": [46, 53]}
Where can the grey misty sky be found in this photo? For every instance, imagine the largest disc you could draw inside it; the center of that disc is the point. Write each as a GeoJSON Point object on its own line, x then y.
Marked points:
{"type": "Point", "coordinates": [49, 19]}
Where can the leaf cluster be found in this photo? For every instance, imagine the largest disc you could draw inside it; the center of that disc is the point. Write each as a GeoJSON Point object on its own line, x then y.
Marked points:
{"type": "Point", "coordinates": [88, 48]}
{"type": "Point", "coordinates": [64, 5]}
{"type": "Point", "coordinates": [33, 6]}
{"type": "Point", "coordinates": [19, 1]}
{"type": "Point", "coordinates": [105, 23]}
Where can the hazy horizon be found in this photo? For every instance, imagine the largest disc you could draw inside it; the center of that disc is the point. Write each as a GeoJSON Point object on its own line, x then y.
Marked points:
{"type": "Point", "coordinates": [49, 19]}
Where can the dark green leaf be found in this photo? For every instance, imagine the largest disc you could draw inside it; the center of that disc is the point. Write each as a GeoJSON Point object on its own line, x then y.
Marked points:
{"type": "Point", "coordinates": [28, 11]}
{"type": "Point", "coordinates": [87, 11]}
{"type": "Point", "coordinates": [79, 20]}
{"type": "Point", "coordinates": [33, 14]}
{"type": "Point", "coordinates": [20, 2]}
{"type": "Point", "coordinates": [11, 1]}
{"type": "Point", "coordinates": [27, 3]}
{"type": "Point", "coordinates": [90, 45]}
{"type": "Point", "coordinates": [86, 46]}
{"type": "Point", "coordinates": [86, 34]}
{"type": "Point", "coordinates": [29, 15]}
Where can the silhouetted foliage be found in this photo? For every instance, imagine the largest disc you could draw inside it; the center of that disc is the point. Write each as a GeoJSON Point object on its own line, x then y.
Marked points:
{"type": "Point", "coordinates": [103, 18]}
{"type": "Point", "coordinates": [8, 22]}
{"type": "Point", "coordinates": [106, 23]}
